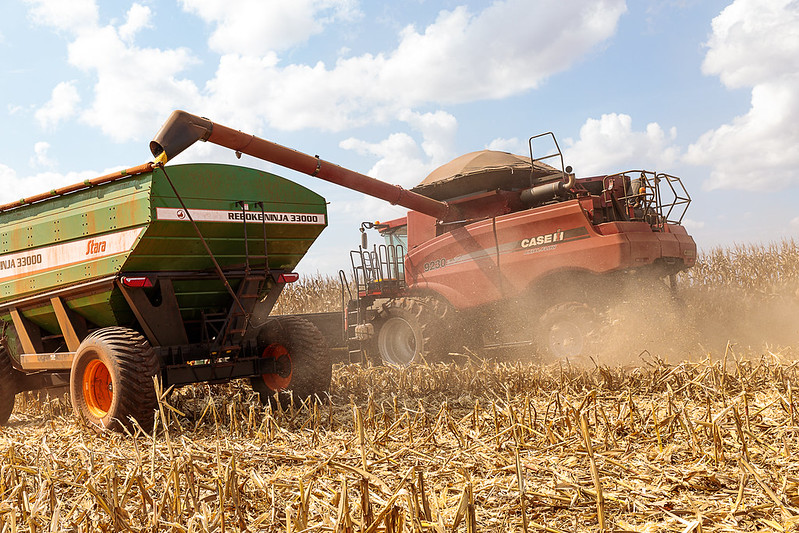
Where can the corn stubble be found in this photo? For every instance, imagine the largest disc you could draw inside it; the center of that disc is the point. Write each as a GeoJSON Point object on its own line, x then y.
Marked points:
{"type": "Point", "coordinates": [706, 444]}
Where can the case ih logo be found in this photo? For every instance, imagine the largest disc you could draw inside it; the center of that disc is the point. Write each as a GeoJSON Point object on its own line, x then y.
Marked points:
{"type": "Point", "coordinates": [555, 237]}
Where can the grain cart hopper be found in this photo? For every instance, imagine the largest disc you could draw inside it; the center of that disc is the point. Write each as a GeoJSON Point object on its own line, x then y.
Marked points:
{"type": "Point", "coordinates": [156, 271]}
{"type": "Point", "coordinates": [490, 244]}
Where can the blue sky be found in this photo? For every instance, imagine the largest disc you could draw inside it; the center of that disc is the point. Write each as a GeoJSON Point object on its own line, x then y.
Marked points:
{"type": "Point", "coordinates": [706, 90]}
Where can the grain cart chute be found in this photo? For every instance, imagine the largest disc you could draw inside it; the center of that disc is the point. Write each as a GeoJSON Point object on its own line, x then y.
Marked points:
{"type": "Point", "coordinates": [155, 272]}
{"type": "Point", "coordinates": [521, 246]}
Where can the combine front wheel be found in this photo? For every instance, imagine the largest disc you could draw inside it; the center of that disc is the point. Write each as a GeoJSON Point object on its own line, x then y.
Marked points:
{"type": "Point", "coordinates": [399, 340]}
{"type": "Point", "coordinates": [413, 327]}
{"type": "Point", "coordinates": [302, 363]}
{"type": "Point", "coordinates": [112, 379]}
{"type": "Point", "coordinates": [566, 331]}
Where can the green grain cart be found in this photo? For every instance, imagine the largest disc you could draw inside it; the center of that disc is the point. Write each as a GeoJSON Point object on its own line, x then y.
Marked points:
{"type": "Point", "coordinates": [156, 271]}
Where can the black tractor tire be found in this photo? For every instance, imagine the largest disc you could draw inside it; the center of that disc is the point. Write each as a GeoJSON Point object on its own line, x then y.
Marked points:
{"type": "Point", "coordinates": [111, 381]}
{"type": "Point", "coordinates": [567, 331]}
{"type": "Point", "coordinates": [412, 330]}
{"type": "Point", "coordinates": [301, 350]}
{"type": "Point", "coordinates": [9, 377]}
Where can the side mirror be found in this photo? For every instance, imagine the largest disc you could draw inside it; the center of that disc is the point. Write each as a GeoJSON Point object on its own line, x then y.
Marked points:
{"type": "Point", "coordinates": [364, 240]}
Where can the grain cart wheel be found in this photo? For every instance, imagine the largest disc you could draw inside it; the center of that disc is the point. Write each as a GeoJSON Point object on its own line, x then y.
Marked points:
{"type": "Point", "coordinates": [304, 369]}
{"type": "Point", "coordinates": [112, 380]}
{"type": "Point", "coordinates": [413, 327]}
{"type": "Point", "coordinates": [566, 331]}
{"type": "Point", "coordinates": [8, 385]}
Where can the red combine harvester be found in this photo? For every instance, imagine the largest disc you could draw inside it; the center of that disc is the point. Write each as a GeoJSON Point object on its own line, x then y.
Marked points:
{"type": "Point", "coordinates": [497, 249]}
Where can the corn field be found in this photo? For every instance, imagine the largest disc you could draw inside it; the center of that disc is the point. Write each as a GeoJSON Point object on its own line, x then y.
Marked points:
{"type": "Point", "coordinates": [708, 443]}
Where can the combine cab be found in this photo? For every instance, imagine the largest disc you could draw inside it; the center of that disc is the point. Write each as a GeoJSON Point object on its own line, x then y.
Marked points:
{"type": "Point", "coordinates": [167, 272]}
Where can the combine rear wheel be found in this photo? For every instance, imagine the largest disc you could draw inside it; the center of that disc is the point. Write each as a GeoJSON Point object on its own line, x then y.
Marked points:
{"type": "Point", "coordinates": [413, 328]}
{"type": "Point", "coordinates": [111, 381]}
{"type": "Point", "coordinates": [303, 366]}
{"type": "Point", "coordinates": [8, 385]}
{"type": "Point", "coordinates": [567, 331]}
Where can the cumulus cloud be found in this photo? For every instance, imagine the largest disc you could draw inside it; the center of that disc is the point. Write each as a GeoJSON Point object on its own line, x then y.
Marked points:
{"type": "Point", "coordinates": [402, 160]}
{"type": "Point", "coordinates": [41, 158]}
{"type": "Point", "coordinates": [754, 44]}
{"type": "Point", "coordinates": [258, 27]}
{"type": "Point", "coordinates": [126, 104]}
{"type": "Point", "coordinates": [68, 16]}
{"type": "Point", "coordinates": [513, 145]}
{"type": "Point", "coordinates": [122, 95]}
{"type": "Point", "coordinates": [506, 49]}
{"type": "Point", "coordinates": [16, 186]}
{"type": "Point", "coordinates": [464, 55]}
{"type": "Point", "coordinates": [138, 17]}
{"type": "Point", "coordinates": [62, 105]}
{"type": "Point", "coordinates": [609, 144]}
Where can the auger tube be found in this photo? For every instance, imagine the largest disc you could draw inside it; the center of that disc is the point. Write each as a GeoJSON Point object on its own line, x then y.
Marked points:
{"type": "Point", "coordinates": [183, 129]}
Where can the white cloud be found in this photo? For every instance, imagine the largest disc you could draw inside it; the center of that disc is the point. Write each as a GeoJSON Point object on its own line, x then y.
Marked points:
{"type": "Point", "coordinates": [753, 41]}
{"type": "Point", "coordinates": [41, 158]}
{"type": "Point", "coordinates": [16, 187]}
{"type": "Point", "coordinates": [257, 27]}
{"type": "Point", "coordinates": [506, 49]}
{"type": "Point", "coordinates": [512, 145]}
{"type": "Point", "coordinates": [62, 105]}
{"type": "Point", "coordinates": [128, 102]}
{"type": "Point", "coordinates": [693, 224]}
{"type": "Point", "coordinates": [794, 222]}
{"type": "Point", "coordinates": [609, 144]}
{"type": "Point", "coordinates": [402, 160]}
{"type": "Point", "coordinates": [70, 16]}
{"type": "Point", "coordinates": [755, 44]}
{"type": "Point", "coordinates": [138, 17]}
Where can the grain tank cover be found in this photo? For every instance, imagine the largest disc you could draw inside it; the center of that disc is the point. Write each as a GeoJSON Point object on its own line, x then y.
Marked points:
{"type": "Point", "coordinates": [481, 171]}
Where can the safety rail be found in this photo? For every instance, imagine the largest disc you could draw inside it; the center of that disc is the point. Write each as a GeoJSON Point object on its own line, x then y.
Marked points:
{"type": "Point", "coordinates": [379, 271]}
{"type": "Point", "coordinates": [655, 198]}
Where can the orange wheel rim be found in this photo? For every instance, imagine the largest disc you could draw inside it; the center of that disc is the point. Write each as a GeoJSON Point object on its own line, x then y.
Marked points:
{"type": "Point", "coordinates": [98, 390]}
{"type": "Point", "coordinates": [275, 381]}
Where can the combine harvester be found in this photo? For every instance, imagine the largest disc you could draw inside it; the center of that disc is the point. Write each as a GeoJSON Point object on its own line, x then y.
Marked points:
{"type": "Point", "coordinates": [157, 271]}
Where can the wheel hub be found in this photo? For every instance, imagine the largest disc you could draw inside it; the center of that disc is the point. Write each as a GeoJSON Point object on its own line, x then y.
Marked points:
{"type": "Point", "coordinates": [98, 388]}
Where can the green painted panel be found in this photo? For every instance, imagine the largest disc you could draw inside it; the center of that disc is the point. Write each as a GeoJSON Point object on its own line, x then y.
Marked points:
{"type": "Point", "coordinates": [137, 224]}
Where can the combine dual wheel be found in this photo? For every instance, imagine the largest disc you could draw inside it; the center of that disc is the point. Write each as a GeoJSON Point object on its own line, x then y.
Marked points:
{"type": "Point", "coordinates": [111, 381]}
{"type": "Point", "coordinates": [567, 330]}
{"type": "Point", "coordinates": [304, 369]}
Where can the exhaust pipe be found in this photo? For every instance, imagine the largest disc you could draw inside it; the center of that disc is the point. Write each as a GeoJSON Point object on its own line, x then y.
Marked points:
{"type": "Point", "coordinates": [539, 194]}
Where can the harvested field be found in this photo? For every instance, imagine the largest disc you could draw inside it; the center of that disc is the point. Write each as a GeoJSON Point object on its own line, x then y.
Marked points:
{"type": "Point", "coordinates": [703, 442]}
{"type": "Point", "coordinates": [704, 446]}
